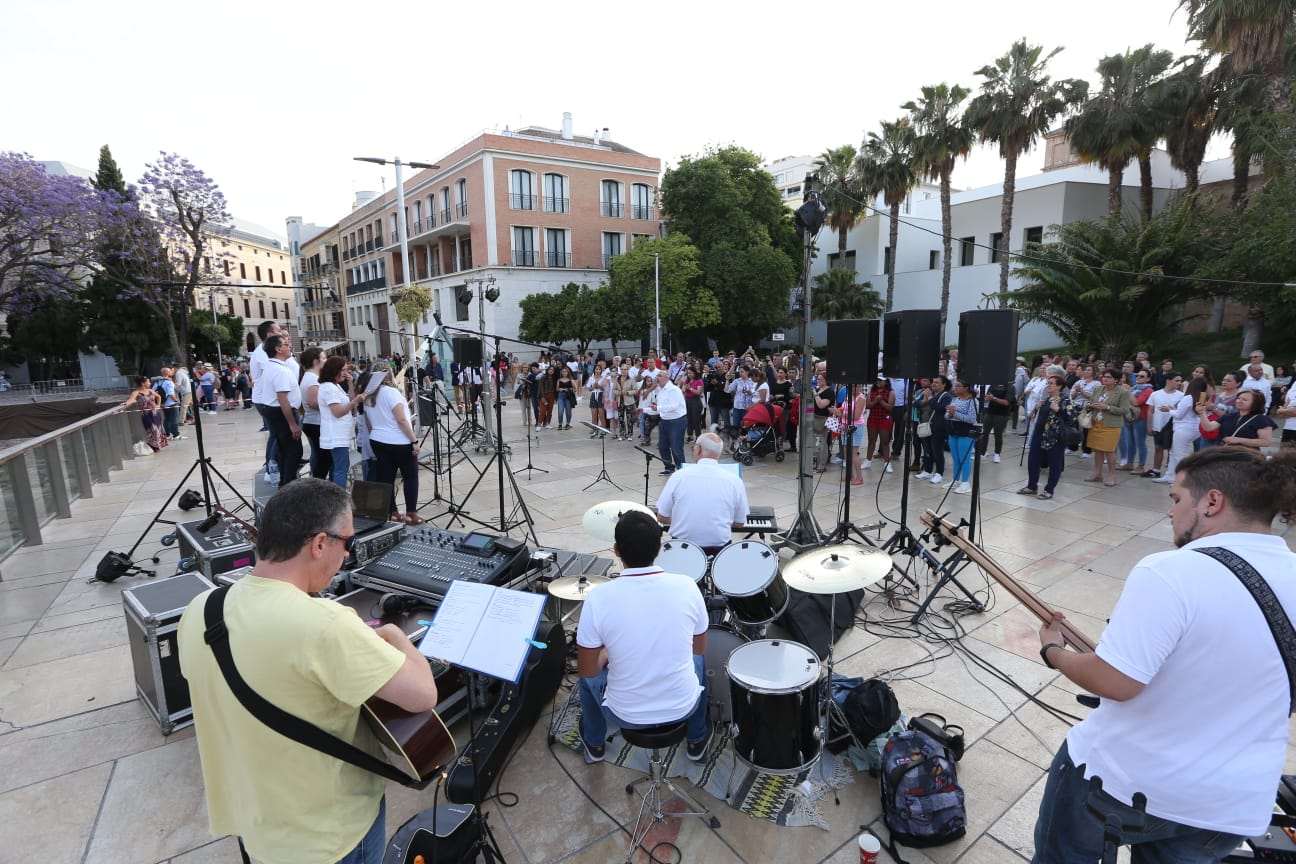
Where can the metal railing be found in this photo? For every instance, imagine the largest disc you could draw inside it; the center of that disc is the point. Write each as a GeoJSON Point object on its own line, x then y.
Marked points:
{"type": "Point", "coordinates": [612, 209]}
{"type": "Point", "coordinates": [519, 201]}
{"type": "Point", "coordinates": [607, 259]}
{"type": "Point", "coordinates": [558, 259]}
{"type": "Point", "coordinates": [461, 209]}
{"type": "Point", "coordinates": [40, 478]}
{"type": "Point", "coordinates": [641, 211]}
{"type": "Point", "coordinates": [445, 215]}
{"type": "Point", "coordinates": [524, 258]}
{"type": "Point", "coordinates": [367, 285]}
{"type": "Point", "coordinates": [557, 205]}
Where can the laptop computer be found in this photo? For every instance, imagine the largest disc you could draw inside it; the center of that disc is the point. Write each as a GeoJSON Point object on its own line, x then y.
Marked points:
{"type": "Point", "coordinates": [369, 505]}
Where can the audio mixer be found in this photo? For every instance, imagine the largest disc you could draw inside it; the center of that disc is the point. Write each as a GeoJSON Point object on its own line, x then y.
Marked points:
{"type": "Point", "coordinates": [428, 559]}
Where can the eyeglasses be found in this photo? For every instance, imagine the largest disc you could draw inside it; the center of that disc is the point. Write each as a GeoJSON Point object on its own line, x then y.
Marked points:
{"type": "Point", "coordinates": [348, 542]}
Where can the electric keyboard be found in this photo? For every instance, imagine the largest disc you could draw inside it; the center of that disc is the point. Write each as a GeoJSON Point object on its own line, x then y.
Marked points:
{"type": "Point", "coordinates": [759, 521]}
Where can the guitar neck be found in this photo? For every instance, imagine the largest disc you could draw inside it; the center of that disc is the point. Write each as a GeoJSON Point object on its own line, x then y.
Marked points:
{"type": "Point", "coordinates": [1038, 607]}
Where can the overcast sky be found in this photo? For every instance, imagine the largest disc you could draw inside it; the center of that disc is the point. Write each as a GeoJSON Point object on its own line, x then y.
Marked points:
{"type": "Point", "coordinates": [273, 99]}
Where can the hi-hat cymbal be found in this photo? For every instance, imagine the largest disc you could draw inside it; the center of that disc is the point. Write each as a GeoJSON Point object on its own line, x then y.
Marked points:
{"type": "Point", "coordinates": [836, 569]}
{"type": "Point", "coordinates": [600, 520]}
{"type": "Point", "coordinates": [575, 587]}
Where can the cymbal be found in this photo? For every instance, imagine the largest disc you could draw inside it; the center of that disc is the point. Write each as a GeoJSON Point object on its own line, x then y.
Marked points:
{"type": "Point", "coordinates": [600, 520]}
{"type": "Point", "coordinates": [575, 587]}
{"type": "Point", "coordinates": [836, 569]}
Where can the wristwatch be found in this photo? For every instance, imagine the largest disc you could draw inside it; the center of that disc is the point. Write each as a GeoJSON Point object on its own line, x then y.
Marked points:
{"type": "Point", "coordinates": [1044, 652]}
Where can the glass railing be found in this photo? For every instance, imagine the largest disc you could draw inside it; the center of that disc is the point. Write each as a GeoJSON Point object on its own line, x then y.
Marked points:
{"type": "Point", "coordinates": [41, 477]}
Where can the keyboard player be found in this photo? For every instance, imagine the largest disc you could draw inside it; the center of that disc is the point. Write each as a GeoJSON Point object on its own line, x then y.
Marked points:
{"type": "Point", "coordinates": [705, 504]}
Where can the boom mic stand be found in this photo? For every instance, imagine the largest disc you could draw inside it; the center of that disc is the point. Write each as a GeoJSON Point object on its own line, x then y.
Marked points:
{"type": "Point", "coordinates": [903, 540]}
{"type": "Point", "coordinates": [846, 529]}
{"type": "Point", "coordinates": [648, 457]}
{"type": "Point", "coordinates": [530, 433]}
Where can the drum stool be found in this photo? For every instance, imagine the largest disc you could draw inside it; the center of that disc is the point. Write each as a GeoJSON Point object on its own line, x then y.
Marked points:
{"type": "Point", "coordinates": [656, 739]}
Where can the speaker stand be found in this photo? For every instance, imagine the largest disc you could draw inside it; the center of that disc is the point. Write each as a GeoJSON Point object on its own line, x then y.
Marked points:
{"type": "Point", "coordinates": [846, 530]}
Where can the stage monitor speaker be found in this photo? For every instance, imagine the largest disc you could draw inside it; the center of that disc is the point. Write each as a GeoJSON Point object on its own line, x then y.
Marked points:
{"type": "Point", "coordinates": [467, 350]}
{"type": "Point", "coordinates": [853, 350]}
{"type": "Point", "coordinates": [987, 346]}
{"type": "Point", "coordinates": [911, 343]}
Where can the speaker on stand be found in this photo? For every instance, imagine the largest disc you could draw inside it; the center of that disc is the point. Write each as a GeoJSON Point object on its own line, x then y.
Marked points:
{"type": "Point", "coordinates": [987, 346]}
{"type": "Point", "coordinates": [852, 359]}
{"type": "Point", "coordinates": [911, 343]}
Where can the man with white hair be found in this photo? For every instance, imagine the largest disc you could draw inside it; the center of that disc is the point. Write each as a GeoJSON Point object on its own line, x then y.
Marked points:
{"type": "Point", "coordinates": [706, 503]}
{"type": "Point", "coordinates": [673, 412]}
{"type": "Point", "coordinates": [1255, 380]}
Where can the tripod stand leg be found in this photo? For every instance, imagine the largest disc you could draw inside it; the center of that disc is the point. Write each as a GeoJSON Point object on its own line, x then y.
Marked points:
{"type": "Point", "coordinates": [948, 572]}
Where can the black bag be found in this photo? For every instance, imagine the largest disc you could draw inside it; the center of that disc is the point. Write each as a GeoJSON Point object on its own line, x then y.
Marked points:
{"type": "Point", "coordinates": [963, 429]}
{"type": "Point", "coordinates": [1072, 435]}
{"type": "Point", "coordinates": [922, 803]}
{"type": "Point", "coordinates": [870, 710]}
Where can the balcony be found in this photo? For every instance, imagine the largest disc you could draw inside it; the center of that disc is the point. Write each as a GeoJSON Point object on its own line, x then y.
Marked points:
{"type": "Point", "coordinates": [461, 209]}
{"type": "Point", "coordinates": [368, 247]}
{"type": "Point", "coordinates": [346, 254]}
{"type": "Point", "coordinates": [445, 215]}
{"type": "Point", "coordinates": [557, 205]}
{"type": "Point", "coordinates": [378, 243]}
{"type": "Point", "coordinates": [323, 335]}
{"type": "Point", "coordinates": [607, 259]}
{"type": "Point", "coordinates": [367, 285]}
{"type": "Point", "coordinates": [518, 201]}
{"type": "Point", "coordinates": [418, 226]}
{"type": "Point", "coordinates": [612, 209]}
{"type": "Point", "coordinates": [329, 267]}
{"type": "Point", "coordinates": [643, 211]}
{"type": "Point", "coordinates": [526, 258]}
{"type": "Point", "coordinates": [558, 259]}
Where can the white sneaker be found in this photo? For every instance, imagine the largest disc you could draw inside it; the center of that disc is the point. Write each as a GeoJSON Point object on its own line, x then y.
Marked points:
{"type": "Point", "coordinates": [1122, 464]}
{"type": "Point", "coordinates": [996, 459]}
{"type": "Point", "coordinates": [1163, 480]}
{"type": "Point", "coordinates": [923, 475]}
{"type": "Point", "coordinates": [888, 469]}
{"type": "Point", "coordinates": [865, 464]}
{"type": "Point", "coordinates": [836, 460]}
{"type": "Point", "coordinates": [1086, 455]}
{"type": "Point", "coordinates": [962, 489]}
{"type": "Point", "coordinates": [936, 479]}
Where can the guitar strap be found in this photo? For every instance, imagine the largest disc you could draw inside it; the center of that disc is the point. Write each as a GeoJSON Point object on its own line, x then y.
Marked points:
{"type": "Point", "coordinates": [1275, 616]}
{"type": "Point", "coordinates": [288, 725]}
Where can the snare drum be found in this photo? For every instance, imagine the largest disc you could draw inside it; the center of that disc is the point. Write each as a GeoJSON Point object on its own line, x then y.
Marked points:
{"type": "Point", "coordinates": [721, 642]}
{"type": "Point", "coordinates": [775, 706]}
{"type": "Point", "coordinates": [681, 556]}
{"type": "Point", "coordinates": [746, 573]}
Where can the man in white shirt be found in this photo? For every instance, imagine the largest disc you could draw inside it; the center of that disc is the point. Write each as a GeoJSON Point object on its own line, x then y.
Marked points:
{"type": "Point", "coordinates": [1178, 722]}
{"type": "Point", "coordinates": [258, 368]}
{"type": "Point", "coordinates": [1257, 356]}
{"type": "Point", "coordinates": [281, 383]}
{"type": "Point", "coordinates": [705, 504]}
{"type": "Point", "coordinates": [1161, 406]}
{"type": "Point", "coordinates": [1256, 380]}
{"type": "Point", "coordinates": [672, 411]}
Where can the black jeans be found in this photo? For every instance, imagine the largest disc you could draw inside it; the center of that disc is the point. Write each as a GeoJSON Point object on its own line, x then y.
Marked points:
{"type": "Point", "coordinates": [398, 457]}
{"type": "Point", "coordinates": [288, 447]}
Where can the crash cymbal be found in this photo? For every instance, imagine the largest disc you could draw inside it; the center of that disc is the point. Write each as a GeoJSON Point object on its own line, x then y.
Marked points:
{"type": "Point", "coordinates": [836, 569]}
{"type": "Point", "coordinates": [575, 587]}
{"type": "Point", "coordinates": [600, 520]}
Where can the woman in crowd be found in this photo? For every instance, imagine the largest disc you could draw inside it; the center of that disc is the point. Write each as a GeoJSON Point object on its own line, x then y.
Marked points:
{"type": "Point", "coordinates": [1278, 387]}
{"type": "Point", "coordinates": [1133, 444]}
{"type": "Point", "coordinates": [337, 425]}
{"type": "Point", "coordinates": [1187, 427]}
{"type": "Point", "coordinates": [566, 389]}
{"type": "Point", "coordinates": [394, 444]}
{"type": "Point", "coordinates": [1081, 393]}
{"type": "Point", "coordinates": [144, 400]}
{"type": "Point", "coordinates": [823, 409]}
{"type": "Point", "coordinates": [1227, 392]}
{"type": "Point", "coordinates": [548, 388]}
{"type": "Point", "coordinates": [368, 461]}
{"type": "Point", "coordinates": [1107, 407]}
{"type": "Point", "coordinates": [692, 388]}
{"type": "Point", "coordinates": [781, 395]}
{"type": "Point", "coordinates": [1248, 426]}
{"type": "Point", "coordinates": [1047, 430]}
{"type": "Point", "coordinates": [857, 414]}
{"type": "Point", "coordinates": [961, 421]}
{"type": "Point", "coordinates": [932, 402]}
{"type": "Point", "coordinates": [1287, 414]}
{"type": "Point", "coordinates": [628, 409]}
{"type": "Point", "coordinates": [1036, 389]}
{"type": "Point", "coordinates": [879, 410]}
{"type": "Point", "coordinates": [309, 365]}
{"type": "Point", "coordinates": [597, 382]}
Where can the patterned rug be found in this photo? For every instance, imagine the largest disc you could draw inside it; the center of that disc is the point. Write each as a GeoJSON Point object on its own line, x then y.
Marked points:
{"type": "Point", "coordinates": [784, 799]}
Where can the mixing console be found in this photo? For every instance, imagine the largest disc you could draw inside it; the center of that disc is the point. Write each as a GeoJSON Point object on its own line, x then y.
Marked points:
{"type": "Point", "coordinates": [428, 559]}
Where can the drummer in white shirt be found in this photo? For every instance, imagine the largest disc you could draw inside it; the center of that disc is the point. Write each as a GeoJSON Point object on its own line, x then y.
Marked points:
{"type": "Point", "coordinates": [704, 504]}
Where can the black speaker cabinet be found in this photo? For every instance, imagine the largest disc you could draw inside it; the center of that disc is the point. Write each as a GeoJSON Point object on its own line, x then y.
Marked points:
{"type": "Point", "coordinates": [467, 350]}
{"type": "Point", "coordinates": [853, 350]}
{"type": "Point", "coordinates": [987, 346]}
{"type": "Point", "coordinates": [911, 343]}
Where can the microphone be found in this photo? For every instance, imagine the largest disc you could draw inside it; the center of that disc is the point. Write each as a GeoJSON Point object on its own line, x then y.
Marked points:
{"type": "Point", "coordinates": [208, 523]}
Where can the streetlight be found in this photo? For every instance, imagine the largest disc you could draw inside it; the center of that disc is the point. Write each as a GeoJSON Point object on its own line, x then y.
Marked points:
{"type": "Point", "coordinates": [657, 299]}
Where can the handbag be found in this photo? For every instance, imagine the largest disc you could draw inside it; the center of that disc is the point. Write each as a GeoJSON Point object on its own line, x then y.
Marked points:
{"type": "Point", "coordinates": [924, 430]}
{"type": "Point", "coordinates": [1086, 419]}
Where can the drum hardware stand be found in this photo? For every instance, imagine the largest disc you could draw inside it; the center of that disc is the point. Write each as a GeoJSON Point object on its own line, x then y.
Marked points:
{"type": "Point", "coordinates": [439, 461]}
{"type": "Point", "coordinates": [603, 475]}
{"type": "Point", "coordinates": [648, 457]}
{"type": "Point", "coordinates": [948, 570]}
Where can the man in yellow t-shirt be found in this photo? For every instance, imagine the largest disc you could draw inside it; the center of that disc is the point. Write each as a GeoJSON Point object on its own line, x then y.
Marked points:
{"type": "Point", "coordinates": [314, 659]}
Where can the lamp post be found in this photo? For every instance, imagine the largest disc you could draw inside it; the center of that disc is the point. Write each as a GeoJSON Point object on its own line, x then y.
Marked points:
{"type": "Point", "coordinates": [657, 301]}
{"type": "Point", "coordinates": [211, 301]}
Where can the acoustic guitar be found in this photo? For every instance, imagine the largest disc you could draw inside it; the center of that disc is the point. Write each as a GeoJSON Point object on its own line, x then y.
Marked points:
{"type": "Point", "coordinates": [419, 745]}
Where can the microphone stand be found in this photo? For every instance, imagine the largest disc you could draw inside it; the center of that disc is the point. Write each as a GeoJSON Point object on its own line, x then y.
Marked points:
{"type": "Point", "coordinates": [648, 457]}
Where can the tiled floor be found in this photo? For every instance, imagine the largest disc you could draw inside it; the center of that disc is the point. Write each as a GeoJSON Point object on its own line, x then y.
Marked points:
{"type": "Point", "coordinates": [85, 774]}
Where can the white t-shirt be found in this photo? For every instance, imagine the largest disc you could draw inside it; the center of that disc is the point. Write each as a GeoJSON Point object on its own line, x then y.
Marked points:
{"type": "Point", "coordinates": [383, 427]}
{"type": "Point", "coordinates": [1290, 422]}
{"type": "Point", "coordinates": [1170, 400]}
{"type": "Point", "coordinates": [703, 501]}
{"type": "Point", "coordinates": [282, 378]}
{"type": "Point", "coordinates": [334, 431]}
{"type": "Point", "coordinates": [257, 363]}
{"type": "Point", "coordinates": [1203, 742]}
{"type": "Point", "coordinates": [309, 380]}
{"type": "Point", "coordinates": [646, 619]}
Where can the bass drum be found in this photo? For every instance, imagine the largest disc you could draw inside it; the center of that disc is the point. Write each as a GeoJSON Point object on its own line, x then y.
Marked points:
{"type": "Point", "coordinates": [747, 574]}
{"type": "Point", "coordinates": [773, 686]}
{"type": "Point", "coordinates": [681, 556]}
{"type": "Point", "coordinates": [721, 642]}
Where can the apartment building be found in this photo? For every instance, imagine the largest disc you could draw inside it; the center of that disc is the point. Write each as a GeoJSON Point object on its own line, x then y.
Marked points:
{"type": "Point", "coordinates": [789, 174]}
{"type": "Point", "coordinates": [533, 209]}
{"type": "Point", "coordinates": [321, 312]}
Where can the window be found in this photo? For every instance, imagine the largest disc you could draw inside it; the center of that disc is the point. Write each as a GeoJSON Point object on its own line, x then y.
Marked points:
{"type": "Point", "coordinates": [555, 194]}
{"type": "Point", "coordinates": [227, 267]}
{"type": "Point", "coordinates": [641, 201]}
{"type": "Point", "coordinates": [886, 260]}
{"type": "Point", "coordinates": [247, 308]}
{"type": "Point", "coordinates": [418, 217]}
{"type": "Point", "coordinates": [521, 190]}
{"type": "Point", "coordinates": [1034, 235]}
{"type": "Point", "coordinates": [445, 204]}
{"type": "Point", "coordinates": [834, 259]}
{"type": "Point", "coordinates": [524, 246]}
{"type": "Point", "coordinates": [967, 251]}
{"type": "Point", "coordinates": [934, 259]}
{"type": "Point", "coordinates": [261, 308]}
{"type": "Point", "coordinates": [611, 198]}
{"type": "Point", "coordinates": [283, 278]}
{"type": "Point", "coordinates": [274, 309]}
{"type": "Point", "coordinates": [611, 247]}
{"type": "Point", "coordinates": [636, 239]}
{"type": "Point", "coordinates": [287, 310]}
{"type": "Point", "coordinates": [229, 305]}
{"type": "Point", "coordinates": [207, 263]}
{"type": "Point", "coordinates": [461, 194]}
{"type": "Point", "coordinates": [394, 233]}
{"type": "Point", "coordinates": [258, 274]}
{"type": "Point", "coordinates": [556, 254]}
{"type": "Point", "coordinates": [996, 247]}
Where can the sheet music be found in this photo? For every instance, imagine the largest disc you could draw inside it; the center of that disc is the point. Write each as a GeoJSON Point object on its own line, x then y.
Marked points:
{"type": "Point", "coordinates": [484, 628]}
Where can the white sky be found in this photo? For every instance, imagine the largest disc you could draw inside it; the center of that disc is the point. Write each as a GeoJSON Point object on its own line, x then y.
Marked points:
{"type": "Point", "coordinates": [273, 99]}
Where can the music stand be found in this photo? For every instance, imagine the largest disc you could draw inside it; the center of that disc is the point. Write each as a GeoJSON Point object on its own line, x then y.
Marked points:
{"type": "Point", "coordinates": [603, 436]}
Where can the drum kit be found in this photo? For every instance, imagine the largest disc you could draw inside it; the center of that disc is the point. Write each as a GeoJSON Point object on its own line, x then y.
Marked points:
{"type": "Point", "coordinates": [772, 701]}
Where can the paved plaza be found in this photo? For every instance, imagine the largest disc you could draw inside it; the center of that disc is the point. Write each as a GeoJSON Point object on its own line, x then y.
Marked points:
{"type": "Point", "coordinates": [86, 776]}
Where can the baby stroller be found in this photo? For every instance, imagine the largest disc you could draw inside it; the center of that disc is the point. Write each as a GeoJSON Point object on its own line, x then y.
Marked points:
{"type": "Point", "coordinates": [760, 434]}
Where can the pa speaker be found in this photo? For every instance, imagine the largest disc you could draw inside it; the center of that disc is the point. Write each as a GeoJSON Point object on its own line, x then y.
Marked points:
{"type": "Point", "coordinates": [911, 343]}
{"type": "Point", "coordinates": [467, 351]}
{"type": "Point", "coordinates": [987, 346]}
{"type": "Point", "coordinates": [853, 350]}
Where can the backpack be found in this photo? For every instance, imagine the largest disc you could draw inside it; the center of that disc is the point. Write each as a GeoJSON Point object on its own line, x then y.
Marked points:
{"type": "Point", "coordinates": [869, 710]}
{"type": "Point", "coordinates": [922, 802]}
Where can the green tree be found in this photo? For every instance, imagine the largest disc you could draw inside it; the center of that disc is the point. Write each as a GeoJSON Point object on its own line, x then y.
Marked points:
{"type": "Point", "coordinates": [1120, 122]}
{"type": "Point", "coordinates": [942, 140]}
{"type": "Point", "coordinates": [729, 208]}
{"type": "Point", "coordinates": [844, 195]}
{"type": "Point", "coordinates": [888, 163]}
{"type": "Point", "coordinates": [47, 334]}
{"type": "Point", "coordinates": [838, 295]}
{"type": "Point", "coordinates": [1262, 248]}
{"type": "Point", "coordinates": [1189, 100]}
{"type": "Point", "coordinates": [204, 334]}
{"type": "Point", "coordinates": [1106, 282]}
{"type": "Point", "coordinates": [686, 302]}
{"type": "Point", "coordinates": [1018, 102]}
{"type": "Point", "coordinates": [541, 318]}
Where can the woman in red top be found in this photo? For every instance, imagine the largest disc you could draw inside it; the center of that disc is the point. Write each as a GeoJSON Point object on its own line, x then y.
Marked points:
{"type": "Point", "coordinates": [881, 401]}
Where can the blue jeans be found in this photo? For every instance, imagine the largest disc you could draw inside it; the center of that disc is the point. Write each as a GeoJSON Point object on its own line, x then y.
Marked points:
{"type": "Point", "coordinates": [341, 465]}
{"type": "Point", "coordinates": [738, 415]}
{"type": "Point", "coordinates": [564, 410]}
{"type": "Point", "coordinates": [1133, 443]}
{"type": "Point", "coordinates": [961, 453]}
{"type": "Point", "coordinates": [1067, 833]}
{"type": "Point", "coordinates": [272, 448]}
{"type": "Point", "coordinates": [1037, 456]}
{"type": "Point", "coordinates": [670, 443]}
{"type": "Point", "coordinates": [171, 420]}
{"type": "Point", "coordinates": [594, 716]}
{"type": "Point", "coordinates": [374, 843]}
{"type": "Point", "coordinates": [933, 452]}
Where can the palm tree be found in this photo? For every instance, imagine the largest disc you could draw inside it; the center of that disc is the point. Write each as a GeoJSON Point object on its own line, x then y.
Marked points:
{"type": "Point", "coordinates": [838, 295]}
{"type": "Point", "coordinates": [1119, 123]}
{"type": "Point", "coordinates": [941, 140]}
{"type": "Point", "coordinates": [843, 194]}
{"type": "Point", "coordinates": [1018, 102]}
{"type": "Point", "coordinates": [1189, 100]}
{"type": "Point", "coordinates": [887, 164]}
